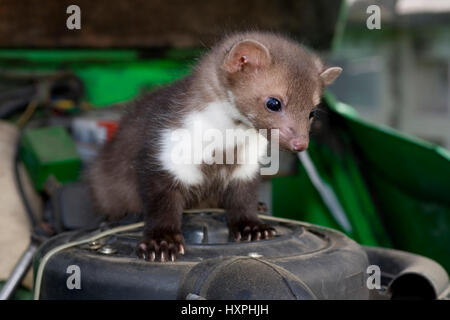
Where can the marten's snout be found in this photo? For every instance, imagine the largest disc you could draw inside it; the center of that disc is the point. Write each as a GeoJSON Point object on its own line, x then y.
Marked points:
{"type": "Point", "coordinates": [299, 144]}
{"type": "Point", "coordinates": [294, 140]}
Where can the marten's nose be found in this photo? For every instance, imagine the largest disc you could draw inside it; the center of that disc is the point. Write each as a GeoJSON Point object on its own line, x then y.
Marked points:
{"type": "Point", "coordinates": [299, 144]}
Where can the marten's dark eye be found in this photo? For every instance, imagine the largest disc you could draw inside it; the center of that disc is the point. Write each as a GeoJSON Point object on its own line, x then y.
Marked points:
{"type": "Point", "coordinates": [273, 104]}
{"type": "Point", "coordinates": [312, 114]}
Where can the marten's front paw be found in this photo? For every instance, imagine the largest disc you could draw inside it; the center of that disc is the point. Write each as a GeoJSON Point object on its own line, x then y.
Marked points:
{"type": "Point", "coordinates": [161, 246]}
{"type": "Point", "coordinates": [252, 231]}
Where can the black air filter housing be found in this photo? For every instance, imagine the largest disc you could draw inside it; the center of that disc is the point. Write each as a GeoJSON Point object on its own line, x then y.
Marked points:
{"type": "Point", "coordinates": [302, 262]}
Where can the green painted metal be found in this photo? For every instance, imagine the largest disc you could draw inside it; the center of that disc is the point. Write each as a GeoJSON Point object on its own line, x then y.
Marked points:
{"type": "Point", "coordinates": [45, 56]}
{"type": "Point", "coordinates": [47, 152]}
{"type": "Point", "coordinates": [297, 198]}
{"type": "Point", "coordinates": [393, 188]}
{"type": "Point", "coordinates": [118, 82]}
{"type": "Point", "coordinates": [410, 182]}
{"type": "Point", "coordinates": [110, 76]}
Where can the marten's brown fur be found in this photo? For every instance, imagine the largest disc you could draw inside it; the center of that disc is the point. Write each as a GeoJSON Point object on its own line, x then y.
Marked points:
{"type": "Point", "coordinates": [227, 89]}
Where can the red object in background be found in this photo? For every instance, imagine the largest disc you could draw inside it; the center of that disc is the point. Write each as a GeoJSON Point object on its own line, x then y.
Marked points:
{"type": "Point", "coordinates": [111, 128]}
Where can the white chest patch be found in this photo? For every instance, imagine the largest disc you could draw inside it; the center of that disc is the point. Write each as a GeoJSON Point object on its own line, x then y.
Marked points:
{"type": "Point", "coordinates": [210, 136]}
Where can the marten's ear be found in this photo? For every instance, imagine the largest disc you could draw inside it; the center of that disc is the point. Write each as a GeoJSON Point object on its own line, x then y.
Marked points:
{"type": "Point", "coordinates": [246, 55]}
{"type": "Point", "coordinates": [329, 75]}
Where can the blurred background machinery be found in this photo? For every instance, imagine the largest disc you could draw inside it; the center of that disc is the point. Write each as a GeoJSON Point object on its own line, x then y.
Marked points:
{"type": "Point", "coordinates": [377, 168]}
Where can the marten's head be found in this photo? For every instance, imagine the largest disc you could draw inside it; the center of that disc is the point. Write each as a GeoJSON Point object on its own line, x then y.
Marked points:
{"type": "Point", "coordinates": [275, 84]}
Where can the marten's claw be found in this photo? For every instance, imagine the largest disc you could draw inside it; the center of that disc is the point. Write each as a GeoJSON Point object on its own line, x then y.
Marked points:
{"type": "Point", "coordinates": [253, 231]}
{"type": "Point", "coordinates": [165, 248]}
